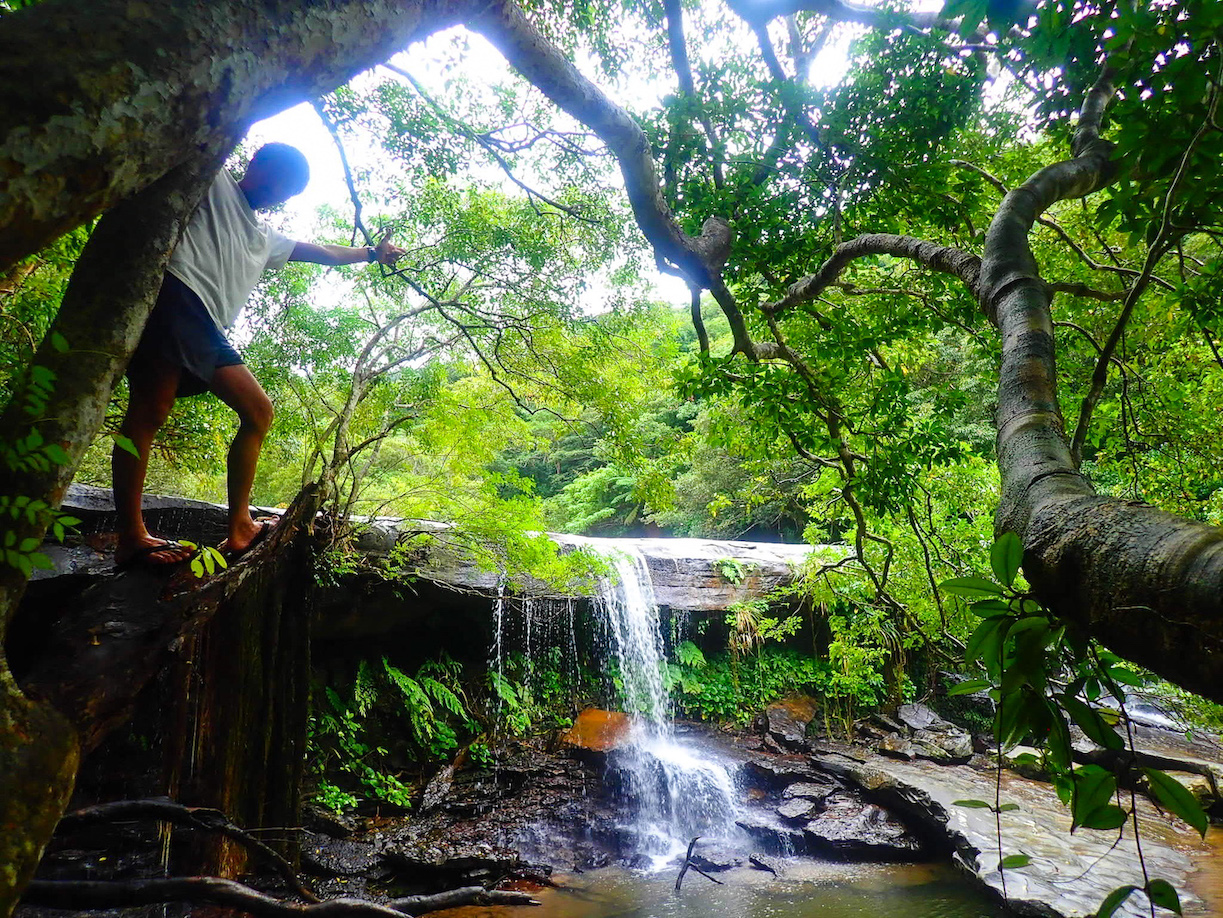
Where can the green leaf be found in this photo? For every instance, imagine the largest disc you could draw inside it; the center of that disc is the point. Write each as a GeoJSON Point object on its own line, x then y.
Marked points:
{"type": "Point", "coordinates": [1093, 789]}
{"type": "Point", "coordinates": [1113, 901]}
{"type": "Point", "coordinates": [1014, 860]}
{"type": "Point", "coordinates": [28, 544]}
{"type": "Point", "coordinates": [59, 342]}
{"type": "Point", "coordinates": [197, 567]}
{"type": "Point", "coordinates": [973, 804]}
{"type": "Point", "coordinates": [1005, 557]}
{"type": "Point", "coordinates": [970, 587]}
{"type": "Point", "coordinates": [1107, 817]}
{"type": "Point", "coordinates": [969, 687]}
{"type": "Point", "coordinates": [209, 565]}
{"type": "Point", "coordinates": [1177, 799]}
{"type": "Point", "coordinates": [1163, 894]}
{"type": "Point", "coordinates": [1090, 722]}
{"type": "Point", "coordinates": [125, 444]}
{"type": "Point", "coordinates": [1008, 807]}
{"type": "Point", "coordinates": [41, 561]}
{"type": "Point", "coordinates": [56, 453]}
{"type": "Point", "coordinates": [988, 607]}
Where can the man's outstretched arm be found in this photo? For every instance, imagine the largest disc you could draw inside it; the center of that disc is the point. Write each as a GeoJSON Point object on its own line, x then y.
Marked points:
{"type": "Point", "coordinates": [385, 253]}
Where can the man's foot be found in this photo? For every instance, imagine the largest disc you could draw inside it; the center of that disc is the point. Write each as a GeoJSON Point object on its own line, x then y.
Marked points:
{"type": "Point", "coordinates": [232, 548]}
{"type": "Point", "coordinates": [151, 552]}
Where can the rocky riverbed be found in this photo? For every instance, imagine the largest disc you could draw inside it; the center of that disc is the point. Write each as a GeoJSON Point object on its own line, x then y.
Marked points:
{"type": "Point", "coordinates": [890, 796]}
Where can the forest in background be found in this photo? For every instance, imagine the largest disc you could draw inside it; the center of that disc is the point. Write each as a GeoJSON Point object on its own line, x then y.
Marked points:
{"type": "Point", "coordinates": [516, 373]}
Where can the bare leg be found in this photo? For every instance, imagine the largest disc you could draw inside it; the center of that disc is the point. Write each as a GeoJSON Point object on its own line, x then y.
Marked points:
{"type": "Point", "coordinates": [151, 396]}
{"type": "Point", "coordinates": [238, 389]}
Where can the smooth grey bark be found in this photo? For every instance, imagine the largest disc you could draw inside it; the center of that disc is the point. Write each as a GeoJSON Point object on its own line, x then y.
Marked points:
{"type": "Point", "coordinates": [1143, 582]}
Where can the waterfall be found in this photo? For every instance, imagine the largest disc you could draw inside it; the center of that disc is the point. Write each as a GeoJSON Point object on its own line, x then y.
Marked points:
{"type": "Point", "coordinates": [674, 790]}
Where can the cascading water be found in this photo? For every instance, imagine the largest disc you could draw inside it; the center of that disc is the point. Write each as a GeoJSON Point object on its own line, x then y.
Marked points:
{"type": "Point", "coordinates": [675, 790]}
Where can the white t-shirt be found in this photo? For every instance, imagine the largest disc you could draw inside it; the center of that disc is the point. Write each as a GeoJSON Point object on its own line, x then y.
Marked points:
{"type": "Point", "coordinates": [225, 250]}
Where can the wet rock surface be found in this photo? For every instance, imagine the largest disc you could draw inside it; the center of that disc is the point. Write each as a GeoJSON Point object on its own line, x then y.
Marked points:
{"type": "Point", "coordinates": [1069, 875]}
{"type": "Point", "coordinates": [597, 732]}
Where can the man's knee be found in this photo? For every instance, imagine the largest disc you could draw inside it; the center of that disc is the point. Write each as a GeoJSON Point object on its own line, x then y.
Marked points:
{"type": "Point", "coordinates": [258, 414]}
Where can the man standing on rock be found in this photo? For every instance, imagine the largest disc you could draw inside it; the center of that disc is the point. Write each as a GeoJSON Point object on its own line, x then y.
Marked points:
{"type": "Point", "coordinates": [184, 350]}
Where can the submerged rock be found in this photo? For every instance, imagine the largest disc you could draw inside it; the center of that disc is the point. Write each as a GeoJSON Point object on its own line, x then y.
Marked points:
{"type": "Point", "coordinates": [716, 859]}
{"type": "Point", "coordinates": [772, 834]}
{"type": "Point", "coordinates": [773, 865]}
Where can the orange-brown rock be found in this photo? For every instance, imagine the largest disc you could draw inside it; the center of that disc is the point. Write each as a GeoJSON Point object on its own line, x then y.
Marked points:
{"type": "Point", "coordinates": [598, 731]}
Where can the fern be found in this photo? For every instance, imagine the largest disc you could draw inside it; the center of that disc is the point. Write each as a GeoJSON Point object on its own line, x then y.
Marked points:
{"type": "Point", "coordinates": [421, 716]}
{"type": "Point", "coordinates": [444, 696]}
{"type": "Point", "coordinates": [364, 689]}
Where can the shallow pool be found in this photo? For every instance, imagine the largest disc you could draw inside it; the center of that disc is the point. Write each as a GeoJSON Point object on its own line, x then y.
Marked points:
{"type": "Point", "coordinates": [808, 889]}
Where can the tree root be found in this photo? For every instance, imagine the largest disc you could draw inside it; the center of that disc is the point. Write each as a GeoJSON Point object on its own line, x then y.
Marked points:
{"type": "Point", "coordinates": [464, 895]}
{"type": "Point", "coordinates": [201, 818]}
{"type": "Point", "coordinates": [91, 895]}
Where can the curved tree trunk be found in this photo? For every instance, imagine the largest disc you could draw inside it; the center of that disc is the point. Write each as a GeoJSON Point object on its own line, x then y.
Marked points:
{"type": "Point", "coordinates": [145, 101]}
{"type": "Point", "coordinates": [1146, 583]}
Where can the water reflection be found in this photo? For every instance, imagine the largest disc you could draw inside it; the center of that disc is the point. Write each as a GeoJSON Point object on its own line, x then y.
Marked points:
{"type": "Point", "coordinates": [810, 889]}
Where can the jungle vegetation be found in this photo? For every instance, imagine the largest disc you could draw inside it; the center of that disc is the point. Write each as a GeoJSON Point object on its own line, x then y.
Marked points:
{"type": "Point", "coordinates": [970, 287]}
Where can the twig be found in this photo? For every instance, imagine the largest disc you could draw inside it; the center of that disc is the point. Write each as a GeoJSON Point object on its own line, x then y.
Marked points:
{"type": "Point", "coordinates": [688, 864]}
{"type": "Point", "coordinates": [334, 131]}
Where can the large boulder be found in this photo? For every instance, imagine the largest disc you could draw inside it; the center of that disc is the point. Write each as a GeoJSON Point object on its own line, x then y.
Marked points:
{"type": "Point", "coordinates": [934, 738]}
{"type": "Point", "coordinates": [787, 721]}
{"type": "Point", "coordinates": [847, 827]}
{"type": "Point", "coordinates": [598, 732]}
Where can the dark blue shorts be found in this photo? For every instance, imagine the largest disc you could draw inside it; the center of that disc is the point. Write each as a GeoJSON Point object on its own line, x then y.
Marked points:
{"type": "Point", "coordinates": [180, 332]}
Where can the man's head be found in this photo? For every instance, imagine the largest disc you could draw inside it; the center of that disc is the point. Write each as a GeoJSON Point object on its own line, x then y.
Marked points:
{"type": "Point", "coordinates": [276, 173]}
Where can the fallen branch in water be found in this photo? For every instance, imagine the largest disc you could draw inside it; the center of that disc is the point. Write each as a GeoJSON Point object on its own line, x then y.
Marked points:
{"type": "Point", "coordinates": [688, 863]}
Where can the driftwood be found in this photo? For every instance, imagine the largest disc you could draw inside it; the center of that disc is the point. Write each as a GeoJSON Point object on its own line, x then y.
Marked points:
{"type": "Point", "coordinates": [464, 895]}
{"type": "Point", "coordinates": [94, 895]}
{"type": "Point", "coordinates": [688, 864]}
{"type": "Point", "coordinates": [201, 818]}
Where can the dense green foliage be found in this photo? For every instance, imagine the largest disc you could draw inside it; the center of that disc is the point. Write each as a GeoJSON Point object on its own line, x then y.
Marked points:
{"type": "Point", "coordinates": [520, 371]}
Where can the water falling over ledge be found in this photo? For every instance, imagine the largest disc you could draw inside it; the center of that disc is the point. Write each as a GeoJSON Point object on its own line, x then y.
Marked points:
{"type": "Point", "coordinates": [671, 789]}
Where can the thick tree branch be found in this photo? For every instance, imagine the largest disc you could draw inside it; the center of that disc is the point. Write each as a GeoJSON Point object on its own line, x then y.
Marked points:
{"type": "Point", "coordinates": [1106, 565]}
{"type": "Point", "coordinates": [946, 259]}
{"type": "Point", "coordinates": [126, 107]}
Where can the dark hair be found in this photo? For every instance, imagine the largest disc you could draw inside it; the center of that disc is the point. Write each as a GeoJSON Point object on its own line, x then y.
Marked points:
{"type": "Point", "coordinates": [287, 161]}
